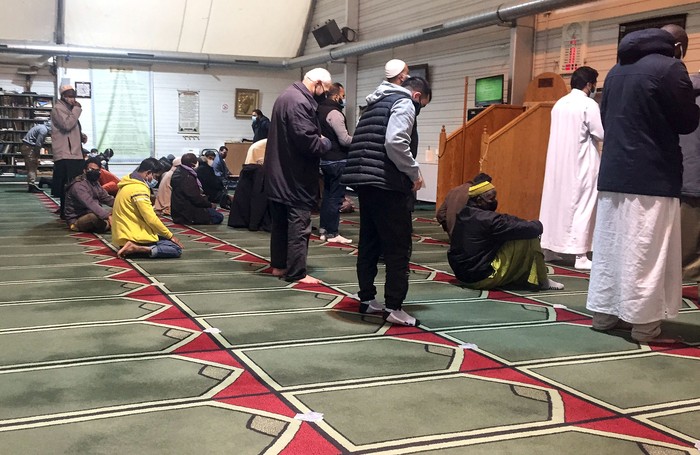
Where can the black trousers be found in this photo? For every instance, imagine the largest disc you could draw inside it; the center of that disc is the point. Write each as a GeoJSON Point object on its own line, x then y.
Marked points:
{"type": "Point", "coordinates": [63, 172]}
{"type": "Point", "coordinates": [385, 227]}
{"type": "Point", "coordinates": [289, 239]}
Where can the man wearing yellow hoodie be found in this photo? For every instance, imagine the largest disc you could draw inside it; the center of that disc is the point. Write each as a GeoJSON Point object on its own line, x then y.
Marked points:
{"type": "Point", "coordinates": [135, 226]}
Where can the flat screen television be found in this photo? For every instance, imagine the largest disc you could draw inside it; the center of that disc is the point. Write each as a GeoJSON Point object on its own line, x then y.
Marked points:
{"type": "Point", "coordinates": [488, 90]}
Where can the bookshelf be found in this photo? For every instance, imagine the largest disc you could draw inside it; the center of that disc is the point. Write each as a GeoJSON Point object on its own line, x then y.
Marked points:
{"type": "Point", "coordinates": [18, 113]}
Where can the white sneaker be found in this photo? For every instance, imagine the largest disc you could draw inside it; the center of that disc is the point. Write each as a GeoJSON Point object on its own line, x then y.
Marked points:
{"type": "Point", "coordinates": [400, 317]}
{"type": "Point", "coordinates": [371, 307]}
{"type": "Point", "coordinates": [322, 234]}
{"type": "Point", "coordinates": [583, 263]}
{"type": "Point", "coordinates": [340, 239]}
{"type": "Point", "coordinates": [322, 237]}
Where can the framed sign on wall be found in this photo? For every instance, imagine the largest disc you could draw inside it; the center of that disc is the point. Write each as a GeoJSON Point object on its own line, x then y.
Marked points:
{"type": "Point", "coordinates": [246, 102]}
{"type": "Point", "coordinates": [83, 90]}
{"type": "Point", "coordinates": [188, 122]}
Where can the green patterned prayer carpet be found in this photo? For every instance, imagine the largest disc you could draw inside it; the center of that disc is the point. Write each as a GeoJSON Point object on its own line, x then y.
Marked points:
{"type": "Point", "coordinates": [211, 354]}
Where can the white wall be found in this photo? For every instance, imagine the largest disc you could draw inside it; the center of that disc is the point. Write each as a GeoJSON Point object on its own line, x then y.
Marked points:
{"type": "Point", "coordinates": [216, 87]}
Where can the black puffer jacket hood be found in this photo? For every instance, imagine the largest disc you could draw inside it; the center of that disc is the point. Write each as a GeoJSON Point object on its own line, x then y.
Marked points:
{"type": "Point", "coordinates": [644, 42]}
{"type": "Point", "coordinates": [648, 101]}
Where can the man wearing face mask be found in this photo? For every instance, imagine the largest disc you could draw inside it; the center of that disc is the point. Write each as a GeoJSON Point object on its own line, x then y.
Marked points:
{"type": "Point", "coordinates": [85, 198]}
{"type": "Point", "coordinates": [332, 120]}
{"type": "Point", "coordinates": [135, 226]}
{"type": "Point", "coordinates": [490, 250]}
{"type": "Point", "coordinates": [383, 170]}
{"type": "Point", "coordinates": [294, 148]}
{"type": "Point", "coordinates": [567, 209]}
{"type": "Point", "coordinates": [261, 126]}
{"type": "Point", "coordinates": [647, 102]}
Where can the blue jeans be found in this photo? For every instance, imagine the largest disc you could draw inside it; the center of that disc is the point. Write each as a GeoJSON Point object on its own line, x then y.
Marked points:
{"type": "Point", "coordinates": [215, 217]}
{"type": "Point", "coordinates": [165, 249]}
{"type": "Point", "coordinates": [333, 195]}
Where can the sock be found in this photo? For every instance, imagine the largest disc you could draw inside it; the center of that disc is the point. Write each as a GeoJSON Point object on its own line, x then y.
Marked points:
{"type": "Point", "coordinates": [554, 285]}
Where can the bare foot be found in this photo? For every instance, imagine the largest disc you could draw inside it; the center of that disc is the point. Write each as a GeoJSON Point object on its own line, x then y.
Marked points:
{"type": "Point", "coordinates": [278, 272]}
{"type": "Point", "coordinates": [132, 248]}
{"type": "Point", "coordinates": [309, 280]}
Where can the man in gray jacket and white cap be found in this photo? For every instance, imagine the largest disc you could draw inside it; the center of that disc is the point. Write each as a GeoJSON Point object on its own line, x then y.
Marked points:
{"type": "Point", "coordinates": [382, 168]}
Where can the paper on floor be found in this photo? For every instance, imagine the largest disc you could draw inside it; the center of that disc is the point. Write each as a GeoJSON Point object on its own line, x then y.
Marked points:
{"type": "Point", "coordinates": [310, 416]}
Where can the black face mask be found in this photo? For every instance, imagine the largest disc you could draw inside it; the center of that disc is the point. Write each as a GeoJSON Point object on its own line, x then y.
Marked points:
{"type": "Point", "coordinates": [418, 106]}
{"type": "Point", "coordinates": [92, 175]}
{"type": "Point", "coordinates": [491, 205]}
{"type": "Point", "coordinates": [320, 98]}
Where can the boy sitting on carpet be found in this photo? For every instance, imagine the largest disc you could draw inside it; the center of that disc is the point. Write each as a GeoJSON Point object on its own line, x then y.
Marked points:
{"type": "Point", "coordinates": [489, 249]}
{"type": "Point", "coordinates": [135, 226]}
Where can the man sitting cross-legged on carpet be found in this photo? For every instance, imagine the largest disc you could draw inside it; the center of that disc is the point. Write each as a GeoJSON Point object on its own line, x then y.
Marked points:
{"type": "Point", "coordinates": [85, 198]}
{"type": "Point", "coordinates": [135, 226]}
{"type": "Point", "coordinates": [489, 249]}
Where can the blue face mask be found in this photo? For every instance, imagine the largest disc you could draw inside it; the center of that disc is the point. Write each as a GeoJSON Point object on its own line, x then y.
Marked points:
{"type": "Point", "coordinates": [342, 103]}
{"type": "Point", "coordinates": [255, 119]}
{"type": "Point", "coordinates": [153, 183]}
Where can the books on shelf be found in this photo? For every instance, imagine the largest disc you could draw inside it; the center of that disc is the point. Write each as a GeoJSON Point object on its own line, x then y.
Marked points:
{"type": "Point", "coordinates": [19, 112]}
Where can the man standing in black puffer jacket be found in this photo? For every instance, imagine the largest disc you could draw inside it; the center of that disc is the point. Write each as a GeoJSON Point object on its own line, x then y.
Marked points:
{"type": "Point", "coordinates": [383, 170]}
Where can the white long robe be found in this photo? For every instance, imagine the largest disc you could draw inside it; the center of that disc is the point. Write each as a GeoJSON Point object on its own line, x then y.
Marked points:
{"type": "Point", "coordinates": [636, 272]}
{"type": "Point", "coordinates": [569, 194]}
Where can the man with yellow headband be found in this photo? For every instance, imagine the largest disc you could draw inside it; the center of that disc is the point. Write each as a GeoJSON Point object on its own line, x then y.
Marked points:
{"type": "Point", "coordinates": [490, 250]}
{"type": "Point", "coordinates": [454, 202]}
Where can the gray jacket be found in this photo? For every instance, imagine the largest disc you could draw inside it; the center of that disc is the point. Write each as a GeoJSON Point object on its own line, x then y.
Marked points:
{"type": "Point", "coordinates": [690, 145]}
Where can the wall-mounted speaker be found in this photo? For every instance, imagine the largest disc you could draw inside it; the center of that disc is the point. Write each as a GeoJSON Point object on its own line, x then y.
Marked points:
{"type": "Point", "coordinates": [328, 34]}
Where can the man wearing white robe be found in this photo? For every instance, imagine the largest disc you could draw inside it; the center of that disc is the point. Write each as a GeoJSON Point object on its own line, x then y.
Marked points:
{"type": "Point", "coordinates": [567, 209]}
{"type": "Point", "coordinates": [647, 102]}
